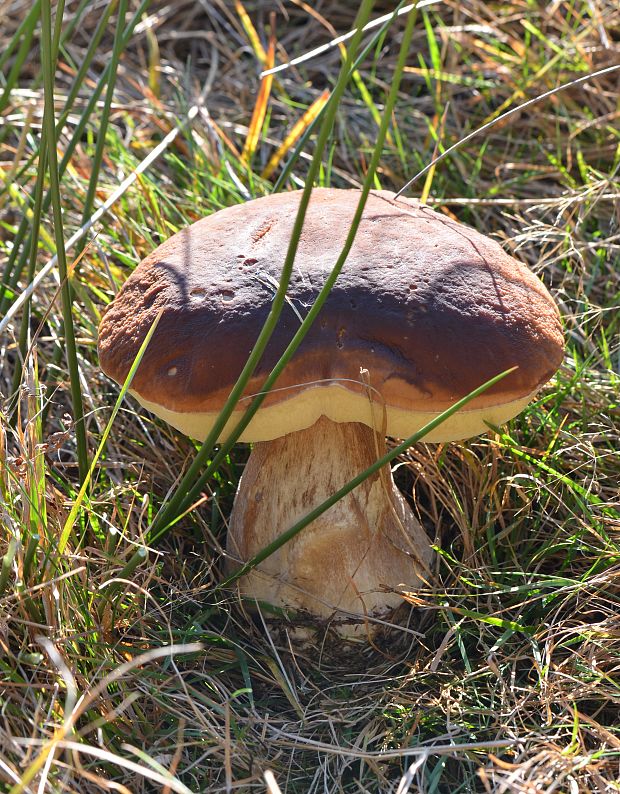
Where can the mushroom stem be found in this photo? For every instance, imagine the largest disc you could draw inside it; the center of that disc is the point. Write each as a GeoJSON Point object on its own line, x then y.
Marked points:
{"type": "Point", "coordinates": [345, 564]}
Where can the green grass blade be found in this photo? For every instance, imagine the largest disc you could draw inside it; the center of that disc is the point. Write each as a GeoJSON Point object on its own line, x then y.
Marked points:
{"type": "Point", "coordinates": [72, 517]}
{"type": "Point", "coordinates": [28, 22]}
{"type": "Point", "coordinates": [117, 49]}
{"type": "Point", "coordinates": [301, 143]}
{"type": "Point", "coordinates": [193, 489]}
{"type": "Point", "coordinates": [577, 489]}
{"type": "Point", "coordinates": [85, 65]}
{"type": "Point", "coordinates": [31, 550]}
{"type": "Point", "coordinates": [7, 565]}
{"type": "Point", "coordinates": [26, 29]}
{"type": "Point", "coordinates": [12, 271]}
{"type": "Point", "coordinates": [178, 499]}
{"type": "Point", "coordinates": [77, 15]}
{"type": "Point", "coordinates": [466, 138]}
{"type": "Point", "coordinates": [48, 59]}
{"type": "Point", "coordinates": [32, 263]}
{"type": "Point", "coordinates": [138, 558]}
{"type": "Point", "coordinates": [385, 459]}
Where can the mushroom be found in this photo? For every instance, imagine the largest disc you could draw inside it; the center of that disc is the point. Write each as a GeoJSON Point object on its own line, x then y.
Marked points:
{"type": "Point", "coordinates": [424, 311]}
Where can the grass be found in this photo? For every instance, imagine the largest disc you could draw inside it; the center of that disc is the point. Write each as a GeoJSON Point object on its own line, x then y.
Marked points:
{"type": "Point", "coordinates": [514, 654]}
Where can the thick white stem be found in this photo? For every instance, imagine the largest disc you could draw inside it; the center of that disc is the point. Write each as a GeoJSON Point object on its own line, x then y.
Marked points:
{"type": "Point", "coordinates": [345, 564]}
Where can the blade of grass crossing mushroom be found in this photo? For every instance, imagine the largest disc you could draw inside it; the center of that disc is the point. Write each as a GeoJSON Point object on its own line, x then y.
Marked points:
{"type": "Point", "coordinates": [48, 61]}
{"type": "Point", "coordinates": [37, 506]}
{"type": "Point", "coordinates": [191, 488]}
{"type": "Point", "coordinates": [194, 489]}
{"type": "Point", "coordinates": [383, 461]}
{"type": "Point", "coordinates": [169, 510]}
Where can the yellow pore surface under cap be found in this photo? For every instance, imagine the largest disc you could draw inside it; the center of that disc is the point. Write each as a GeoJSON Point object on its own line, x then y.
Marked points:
{"type": "Point", "coordinates": [339, 404]}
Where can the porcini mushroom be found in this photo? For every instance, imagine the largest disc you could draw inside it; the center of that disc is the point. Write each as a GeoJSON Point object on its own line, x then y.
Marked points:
{"type": "Point", "coordinates": [424, 311]}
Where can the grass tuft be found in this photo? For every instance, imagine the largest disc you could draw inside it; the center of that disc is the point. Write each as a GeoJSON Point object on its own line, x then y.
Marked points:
{"type": "Point", "coordinates": [124, 664]}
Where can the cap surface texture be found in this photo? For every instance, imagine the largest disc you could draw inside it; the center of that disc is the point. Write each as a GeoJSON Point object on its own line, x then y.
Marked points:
{"type": "Point", "coordinates": [424, 311]}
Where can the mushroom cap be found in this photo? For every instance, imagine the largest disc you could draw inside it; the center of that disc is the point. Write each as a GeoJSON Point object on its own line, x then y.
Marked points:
{"type": "Point", "coordinates": [424, 311]}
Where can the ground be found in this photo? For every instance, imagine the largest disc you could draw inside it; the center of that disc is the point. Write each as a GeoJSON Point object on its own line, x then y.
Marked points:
{"type": "Point", "coordinates": [503, 675]}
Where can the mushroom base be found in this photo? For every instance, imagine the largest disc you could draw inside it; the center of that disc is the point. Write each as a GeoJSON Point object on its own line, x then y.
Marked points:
{"type": "Point", "coordinates": [345, 565]}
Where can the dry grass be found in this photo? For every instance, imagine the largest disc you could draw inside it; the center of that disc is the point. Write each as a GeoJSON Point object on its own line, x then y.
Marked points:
{"type": "Point", "coordinates": [515, 653]}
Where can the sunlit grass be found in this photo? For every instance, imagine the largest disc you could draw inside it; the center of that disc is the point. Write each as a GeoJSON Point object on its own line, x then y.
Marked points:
{"type": "Point", "coordinates": [517, 652]}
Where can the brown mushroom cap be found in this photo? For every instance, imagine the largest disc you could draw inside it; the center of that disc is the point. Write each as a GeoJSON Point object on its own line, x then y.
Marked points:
{"type": "Point", "coordinates": [424, 311]}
